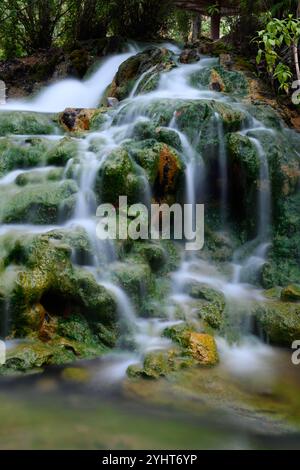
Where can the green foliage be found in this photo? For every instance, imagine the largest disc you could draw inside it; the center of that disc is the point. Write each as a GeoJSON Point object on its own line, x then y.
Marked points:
{"type": "Point", "coordinates": [279, 33]}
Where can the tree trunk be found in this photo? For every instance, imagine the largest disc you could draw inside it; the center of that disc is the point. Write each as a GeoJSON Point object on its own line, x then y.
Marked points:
{"type": "Point", "coordinates": [295, 49]}
{"type": "Point", "coordinates": [215, 26]}
{"type": "Point", "coordinates": [196, 27]}
{"type": "Point", "coordinates": [296, 60]}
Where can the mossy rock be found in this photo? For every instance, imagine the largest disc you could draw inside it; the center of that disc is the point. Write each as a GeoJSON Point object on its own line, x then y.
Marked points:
{"type": "Point", "coordinates": [45, 285]}
{"type": "Point", "coordinates": [78, 120]}
{"type": "Point", "coordinates": [62, 152]}
{"type": "Point", "coordinates": [200, 346]}
{"type": "Point", "coordinates": [32, 355]}
{"type": "Point", "coordinates": [134, 277]}
{"type": "Point", "coordinates": [160, 364]}
{"type": "Point", "coordinates": [39, 177]}
{"type": "Point", "coordinates": [153, 253]}
{"type": "Point", "coordinates": [130, 70]}
{"type": "Point", "coordinates": [35, 152]}
{"type": "Point", "coordinates": [235, 83]}
{"type": "Point", "coordinates": [119, 176]}
{"type": "Point", "coordinates": [145, 130]}
{"type": "Point", "coordinates": [24, 154]}
{"type": "Point", "coordinates": [280, 321]}
{"type": "Point", "coordinates": [28, 123]}
{"type": "Point", "coordinates": [291, 293]}
{"type": "Point", "coordinates": [162, 165]}
{"type": "Point", "coordinates": [179, 333]}
{"type": "Point", "coordinates": [39, 203]}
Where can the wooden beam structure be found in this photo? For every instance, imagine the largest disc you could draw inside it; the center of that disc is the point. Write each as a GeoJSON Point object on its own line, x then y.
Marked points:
{"type": "Point", "coordinates": [223, 8]}
{"type": "Point", "coordinates": [226, 7]}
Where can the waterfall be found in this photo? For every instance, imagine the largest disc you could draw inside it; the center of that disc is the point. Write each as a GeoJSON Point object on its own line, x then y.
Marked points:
{"type": "Point", "coordinates": [223, 170]}
{"type": "Point", "coordinates": [175, 84]}
{"type": "Point", "coordinates": [264, 198]}
{"type": "Point", "coordinates": [73, 93]}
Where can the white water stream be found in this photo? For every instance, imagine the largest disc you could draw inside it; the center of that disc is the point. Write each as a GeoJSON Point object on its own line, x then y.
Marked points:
{"type": "Point", "coordinates": [173, 85]}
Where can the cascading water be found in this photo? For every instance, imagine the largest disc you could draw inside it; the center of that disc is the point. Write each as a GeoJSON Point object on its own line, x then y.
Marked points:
{"type": "Point", "coordinates": [223, 169]}
{"type": "Point", "coordinates": [118, 129]}
{"type": "Point", "coordinates": [72, 92]}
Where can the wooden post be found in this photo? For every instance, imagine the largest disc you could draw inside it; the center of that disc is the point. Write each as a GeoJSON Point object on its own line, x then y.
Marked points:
{"type": "Point", "coordinates": [196, 27]}
{"type": "Point", "coordinates": [215, 26]}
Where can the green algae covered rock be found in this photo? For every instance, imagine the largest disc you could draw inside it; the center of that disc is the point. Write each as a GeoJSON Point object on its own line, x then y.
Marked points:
{"type": "Point", "coordinates": [145, 130]}
{"type": "Point", "coordinates": [124, 170]}
{"type": "Point", "coordinates": [210, 304]}
{"type": "Point", "coordinates": [135, 278]}
{"type": "Point", "coordinates": [35, 152]}
{"type": "Point", "coordinates": [38, 177]}
{"type": "Point", "coordinates": [200, 346]}
{"type": "Point", "coordinates": [27, 123]}
{"type": "Point", "coordinates": [162, 164]}
{"type": "Point", "coordinates": [23, 154]}
{"type": "Point", "coordinates": [34, 355]}
{"type": "Point", "coordinates": [41, 203]}
{"type": "Point", "coordinates": [119, 176]}
{"type": "Point", "coordinates": [291, 293]}
{"type": "Point", "coordinates": [235, 83]}
{"type": "Point", "coordinates": [62, 151]}
{"type": "Point", "coordinates": [153, 253]}
{"type": "Point", "coordinates": [151, 59]}
{"type": "Point", "coordinates": [160, 364]}
{"type": "Point", "coordinates": [45, 286]}
{"type": "Point", "coordinates": [279, 320]}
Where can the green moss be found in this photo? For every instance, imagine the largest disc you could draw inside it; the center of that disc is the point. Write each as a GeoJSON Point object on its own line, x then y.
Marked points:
{"type": "Point", "coordinates": [135, 278]}
{"type": "Point", "coordinates": [145, 130]}
{"type": "Point", "coordinates": [99, 119]}
{"type": "Point", "coordinates": [38, 177]}
{"type": "Point", "coordinates": [119, 176]}
{"type": "Point", "coordinates": [39, 203]}
{"type": "Point", "coordinates": [291, 293]}
{"type": "Point", "coordinates": [130, 70]}
{"type": "Point", "coordinates": [62, 151]}
{"type": "Point", "coordinates": [235, 82]}
{"type": "Point", "coordinates": [23, 154]}
{"type": "Point", "coordinates": [153, 253]}
{"type": "Point", "coordinates": [46, 277]}
{"type": "Point", "coordinates": [179, 333]}
{"type": "Point", "coordinates": [280, 321]}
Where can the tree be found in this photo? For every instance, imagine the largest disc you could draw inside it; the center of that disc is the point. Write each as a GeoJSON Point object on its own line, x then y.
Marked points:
{"type": "Point", "coordinates": [86, 19]}
{"type": "Point", "coordinates": [140, 19]}
{"type": "Point", "coordinates": [32, 22]}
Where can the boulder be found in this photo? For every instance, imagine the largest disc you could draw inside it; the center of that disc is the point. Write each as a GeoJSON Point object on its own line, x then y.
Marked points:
{"type": "Point", "coordinates": [220, 79]}
{"type": "Point", "coordinates": [145, 130]}
{"type": "Point", "coordinates": [189, 56]}
{"type": "Point", "coordinates": [162, 164]}
{"type": "Point", "coordinates": [151, 59]}
{"type": "Point", "coordinates": [119, 176]}
{"type": "Point", "coordinates": [77, 119]}
{"type": "Point", "coordinates": [278, 320]}
{"type": "Point", "coordinates": [200, 346]}
{"type": "Point", "coordinates": [45, 287]}
{"type": "Point", "coordinates": [30, 152]}
{"type": "Point", "coordinates": [291, 293]}
{"type": "Point", "coordinates": [159, 364]}
{"type": "Point", "coordinates": [203, 348]}
{"type": "Point", "coordinates": [28, 123]}
{"type": "Point", "coordinates": [216, 83]}
{"type": "Point", "coordinates": [41, 203]}
{"type": "Point", "coordinates": [210, 304]}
